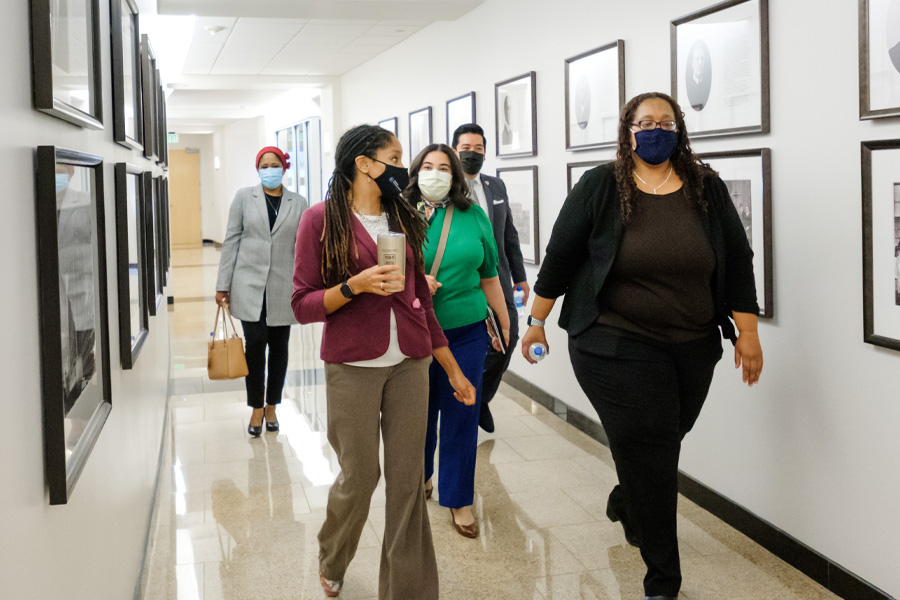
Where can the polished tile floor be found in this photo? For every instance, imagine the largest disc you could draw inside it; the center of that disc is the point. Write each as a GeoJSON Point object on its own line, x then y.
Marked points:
{"type": "Point", "coordinates": [237, 517]}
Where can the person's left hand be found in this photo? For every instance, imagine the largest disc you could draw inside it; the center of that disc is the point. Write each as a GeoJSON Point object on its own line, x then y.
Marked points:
{"type": "Point", "coordinates": [748, 352]}
{"type": "Point", "coordinates": [525, 288]}
{"type": "Point", "coordinates": [433, 284]}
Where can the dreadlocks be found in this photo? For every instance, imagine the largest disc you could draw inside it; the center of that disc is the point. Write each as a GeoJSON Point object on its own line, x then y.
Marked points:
{"type": "Point", "coordinates": [337, 235]}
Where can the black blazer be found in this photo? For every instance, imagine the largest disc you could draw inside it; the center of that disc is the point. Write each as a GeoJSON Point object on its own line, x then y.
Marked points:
{"type": "Point", "coordinates": [510, 268]}
{"type": "Point", "coordinates": [587, 234]}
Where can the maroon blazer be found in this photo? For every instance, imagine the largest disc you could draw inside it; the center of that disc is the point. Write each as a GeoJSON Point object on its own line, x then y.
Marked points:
{"type": "Point", "coordinates": [360, 330]}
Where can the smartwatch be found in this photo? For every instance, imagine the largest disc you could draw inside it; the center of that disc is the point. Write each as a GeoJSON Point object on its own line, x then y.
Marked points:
{"type": "Point", "coordinates": [536, 322]}
{"type": "Point", "coordinates": [346, 290]}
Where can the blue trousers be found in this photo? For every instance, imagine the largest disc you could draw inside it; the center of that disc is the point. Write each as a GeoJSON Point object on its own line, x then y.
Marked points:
{"type": "Point", "coordinates": [459, 423]}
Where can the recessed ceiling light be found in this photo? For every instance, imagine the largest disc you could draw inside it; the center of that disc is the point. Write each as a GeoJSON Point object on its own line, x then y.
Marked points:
{"type": "Point", "coordinates": [214, 29]}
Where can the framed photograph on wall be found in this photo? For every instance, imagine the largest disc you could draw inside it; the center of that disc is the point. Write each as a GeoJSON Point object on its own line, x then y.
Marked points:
{"type": "Point", "coordinates": [879, 59]}
{"type": "Point", "coordinates": [460, 111]}
{"type": "Point", "coordinates": [720, 68]}
{"type": "Point", "coordinates": [165, 238]}
{"type": "Point", "coordinates": [575, 171]}
{"type": "Point", "coordinates": [522, 190]}
{"type": "Point", "coordinates": [148, 98]}
{"type": "Point", "coordinates": [420, 131]}
{"type": "Point", "coordinates": [389, 124]}
{"type": "Point", "coordinates": [595, 95]}
{"type": "Point", "coordinates": [126, 70]}
{"type": "Point", "coordinates": [515, 116]}
{"type": "Point", "coordinates": [881, 242]}
{"type": "Point", "coordinates": [161, 251]}
{"type": "Point", "coordinates": [134, 317]}
{"type": "Point", "coordinates": [748, 176]}
{"type": "Point", "coordinates": [153, 277]}
{"type": "Point", "coordinates": [74, 328]}
{"type": "Point", "coordinates": [67, 81]}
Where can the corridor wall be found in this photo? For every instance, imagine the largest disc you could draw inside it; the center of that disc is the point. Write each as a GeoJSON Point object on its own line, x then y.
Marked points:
{"type": "Point", "coordinates": [812, 448]}
{"type": "Point", "coordinates": [91, 547]}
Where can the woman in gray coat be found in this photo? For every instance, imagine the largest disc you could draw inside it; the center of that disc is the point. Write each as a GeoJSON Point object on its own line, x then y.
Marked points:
{"type": "Point", "coordinates": [255, 280]}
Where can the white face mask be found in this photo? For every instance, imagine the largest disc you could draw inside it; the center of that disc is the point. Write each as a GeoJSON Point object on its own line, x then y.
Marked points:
{"type": "Point", "coordinates": [434, 184]}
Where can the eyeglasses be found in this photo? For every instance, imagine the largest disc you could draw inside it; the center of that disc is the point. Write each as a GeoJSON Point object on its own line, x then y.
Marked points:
{"type": "Point", "coordinates": [648, 125]}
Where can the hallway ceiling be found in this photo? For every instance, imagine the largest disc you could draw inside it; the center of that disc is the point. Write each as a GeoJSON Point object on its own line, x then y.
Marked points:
{"type": "Point", "coordinates": [244, 52]}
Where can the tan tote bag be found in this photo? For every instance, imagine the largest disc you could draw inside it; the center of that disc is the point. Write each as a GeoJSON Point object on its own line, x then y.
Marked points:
{"type": "Point", "coordinates": [226, 355]}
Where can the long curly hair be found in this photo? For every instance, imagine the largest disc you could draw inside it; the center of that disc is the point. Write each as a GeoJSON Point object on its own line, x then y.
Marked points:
{"type": "Point", "coordinates": [338, 257]}
{"type": "Point", "coordinates": [686, 164]}
{"type": "Point", "coordinates": [459, 188]}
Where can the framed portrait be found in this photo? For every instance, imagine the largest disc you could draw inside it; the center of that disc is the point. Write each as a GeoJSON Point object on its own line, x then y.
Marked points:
{"type": "Point", "coordinates": [161, 244]}
{"type": "Point", "coordinates": [522, 189]}
{"type": "Point", "coordinates": [575, 171]}
{"type": "Point", "coordinates": [65, 60]}
{"type": "Point", "coordinates": [748, 176]}
{"type": "Point", "coordinates": [389, 124]}
{"type": "Point", "coordinates": [879, 58]}
{"type": "Point", "coordinates": [595, 96]}
{"type": "Point", "coordinates": [460, 111]}
{"type": "Point", "coordinates": [126, 67]}
{"type": "Point", "coordinates": [153, 277]}
{"type": "Point", "coordinates": [165, 237]}
{"type": "Point", "coordinates": [720, 68]}
{"type": "Point", "coordinates": [162, 139]}
{"type": "Point", "coordinates": [134, 321]}
{"type": "Point", "coordinates": [515, 116]}
{"type": "Point", "coordinates": [420, 131]}
{"type": "Point", "coordinates": [74, 328]}
{"type": "Point", "coordinates": [149, 98]}
{"type": "Point", "coordinates": [881, 242]}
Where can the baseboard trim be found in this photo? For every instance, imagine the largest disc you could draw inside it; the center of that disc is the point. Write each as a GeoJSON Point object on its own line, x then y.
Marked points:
{"type": "Point", "coordinates": [814, 565]}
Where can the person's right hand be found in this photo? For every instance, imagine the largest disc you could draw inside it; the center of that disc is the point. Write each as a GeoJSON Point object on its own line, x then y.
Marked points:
{"type": "Point", "coordinates": [464, 390]}
{"type": "Point", "coordinates": [533, 335]}
{"type": "Point", "coordinates": [223, 298]}
{"type": "Point", "coordinates": [377, 280]}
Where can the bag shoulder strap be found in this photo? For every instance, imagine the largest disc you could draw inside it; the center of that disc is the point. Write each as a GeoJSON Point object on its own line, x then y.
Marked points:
{"type": "Point", "coordinates": [442, 245]}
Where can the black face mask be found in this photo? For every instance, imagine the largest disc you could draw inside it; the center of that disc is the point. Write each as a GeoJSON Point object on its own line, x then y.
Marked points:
{"type": "Point", "coordinates": [471, 161]}
{"type": "Point", "coordinates": [393, 181]}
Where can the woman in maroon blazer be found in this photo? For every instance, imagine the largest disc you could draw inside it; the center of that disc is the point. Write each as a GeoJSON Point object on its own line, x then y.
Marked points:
{"type": "Point", "coordinates": [377, 345]}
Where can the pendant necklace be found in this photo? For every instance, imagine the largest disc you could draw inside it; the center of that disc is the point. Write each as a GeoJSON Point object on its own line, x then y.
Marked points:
{"type": "Point", "coordinates": [657, 187]}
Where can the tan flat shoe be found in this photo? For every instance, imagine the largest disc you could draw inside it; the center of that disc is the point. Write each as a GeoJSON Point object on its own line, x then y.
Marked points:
{"type": "Point", "coordinates": [469, 531]}
{"type": "Point", "coordinates": [331, 588]}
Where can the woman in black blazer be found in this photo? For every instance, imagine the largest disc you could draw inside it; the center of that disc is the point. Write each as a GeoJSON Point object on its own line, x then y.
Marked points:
{"type": "Point", "coordinates": [654, 262]}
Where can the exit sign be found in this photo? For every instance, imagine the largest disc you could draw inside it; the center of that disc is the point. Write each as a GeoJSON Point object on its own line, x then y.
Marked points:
{"type": "Point", "coordinates": [172, 137]}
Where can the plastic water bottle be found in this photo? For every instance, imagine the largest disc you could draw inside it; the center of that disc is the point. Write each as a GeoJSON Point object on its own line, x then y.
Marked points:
{"type": "Point", "coordinates": [537, 351]}
{"type": "Point", "coordinates": [519, 299]}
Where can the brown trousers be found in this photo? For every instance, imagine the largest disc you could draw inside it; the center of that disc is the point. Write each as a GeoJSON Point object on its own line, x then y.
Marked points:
{"type": "Point", "coordinates": [392, 401]}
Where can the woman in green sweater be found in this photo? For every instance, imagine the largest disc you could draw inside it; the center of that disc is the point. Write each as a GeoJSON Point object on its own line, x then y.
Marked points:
{"type": "Point", "coordinates": [465, 283]}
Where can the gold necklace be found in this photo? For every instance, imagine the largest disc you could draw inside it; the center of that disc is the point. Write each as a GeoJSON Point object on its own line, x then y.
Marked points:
{"type": "Point", "coordinates": [650, 186]}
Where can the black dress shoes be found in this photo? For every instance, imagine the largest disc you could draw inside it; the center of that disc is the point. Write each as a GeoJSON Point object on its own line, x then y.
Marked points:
{"type": "Point", "coordinates": [660, 597]}
{"type": "Point", "coordinates": [630, 536]}
{"type": "Point", "coordinates": [485, 419]}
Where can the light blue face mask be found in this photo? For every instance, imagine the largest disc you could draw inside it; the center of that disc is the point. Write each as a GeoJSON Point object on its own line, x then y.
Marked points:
{"type": "Point", "coordinates": [62, 182]}
{"type": "Point", "coordinates": [271, 177]}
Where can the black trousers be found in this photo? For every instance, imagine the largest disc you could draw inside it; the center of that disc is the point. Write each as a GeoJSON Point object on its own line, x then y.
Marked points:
{"type": "Point", "coordinates": [648, 395]}
{"type": "Point", "coordinates": [257, 337]}
{"type": "Point", "coordinates": [496, 363]}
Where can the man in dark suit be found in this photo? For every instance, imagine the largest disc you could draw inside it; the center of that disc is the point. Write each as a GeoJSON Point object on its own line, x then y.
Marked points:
{"type": "Point", "coordinates": [490, 193]}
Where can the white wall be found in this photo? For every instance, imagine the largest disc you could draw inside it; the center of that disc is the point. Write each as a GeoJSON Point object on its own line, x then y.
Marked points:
{"type": "Point", "coordinates": [812, 448]}
{"type": "Point", "coordinates": [236, 145]}
{"type": "Point", "coordinates": [91, 547]}
{"type": "Point", "coordinates": [210, 205]}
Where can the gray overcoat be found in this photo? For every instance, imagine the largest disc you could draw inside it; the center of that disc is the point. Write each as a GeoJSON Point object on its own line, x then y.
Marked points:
{"type": "Point", "coordinates": [255, 260]}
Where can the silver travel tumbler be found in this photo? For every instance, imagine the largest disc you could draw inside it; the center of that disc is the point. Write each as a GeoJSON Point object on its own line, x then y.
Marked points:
{"type": "Point", "coordinates": [392, 251]}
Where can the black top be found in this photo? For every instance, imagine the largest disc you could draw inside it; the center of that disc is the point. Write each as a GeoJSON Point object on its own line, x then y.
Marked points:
{"type": "Point", "coordinates": [586, 239]}
{"type": "Point", "coordinates": [663, 295]}
{"type": "Point", "coordinates": [273, 204]}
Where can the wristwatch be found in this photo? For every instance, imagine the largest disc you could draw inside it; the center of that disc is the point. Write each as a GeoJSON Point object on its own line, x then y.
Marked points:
{"type": "Point", "coordinates": [346, 290]}
{"type": "Point", "coordinates": [532, 321]}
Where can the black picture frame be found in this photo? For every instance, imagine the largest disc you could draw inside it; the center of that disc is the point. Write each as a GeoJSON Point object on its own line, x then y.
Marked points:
{"type": "Point", "coordinates": [527, 223]}
{"type": "Point", "coordinates": [880, 310]}
{"type": "Point", "coordinates": [120, 10]}
{"type": "Point", "coordinates": [508, 138]}
{"type": "Point", "coordinates": [418, 119]}
{"type": "Point", "coordinates": [130, 342]}
{"type": "Point", "coordinates": [45, 56]}
{"type": "Point", "coordinates": [761, 243]}
{"type": "Point", "coordinates": [390, 125]}
{"type": "Point", "coordinates": [73, 307]}
{"type": "Point", "coordinates": [162, 139]}
{"type": "Point", "coordinates": [166, 238]}
{"type": "Point", "coordinates": [575, 170]}
{"type": "Point", "coordinates": [707, 91]}
{"type": "Point", "coordinates": [583, 87]}
{"type": "Point", "coordinates": [152, 277]}
{"type": "Point", "coordinates": [159, 213]}
{"type": "Point", "coordinates": [871, 47]}
{"type": "Point", "coordinates": [465, 104]}
{"type": "Point", "coordinates": [149, 98]}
